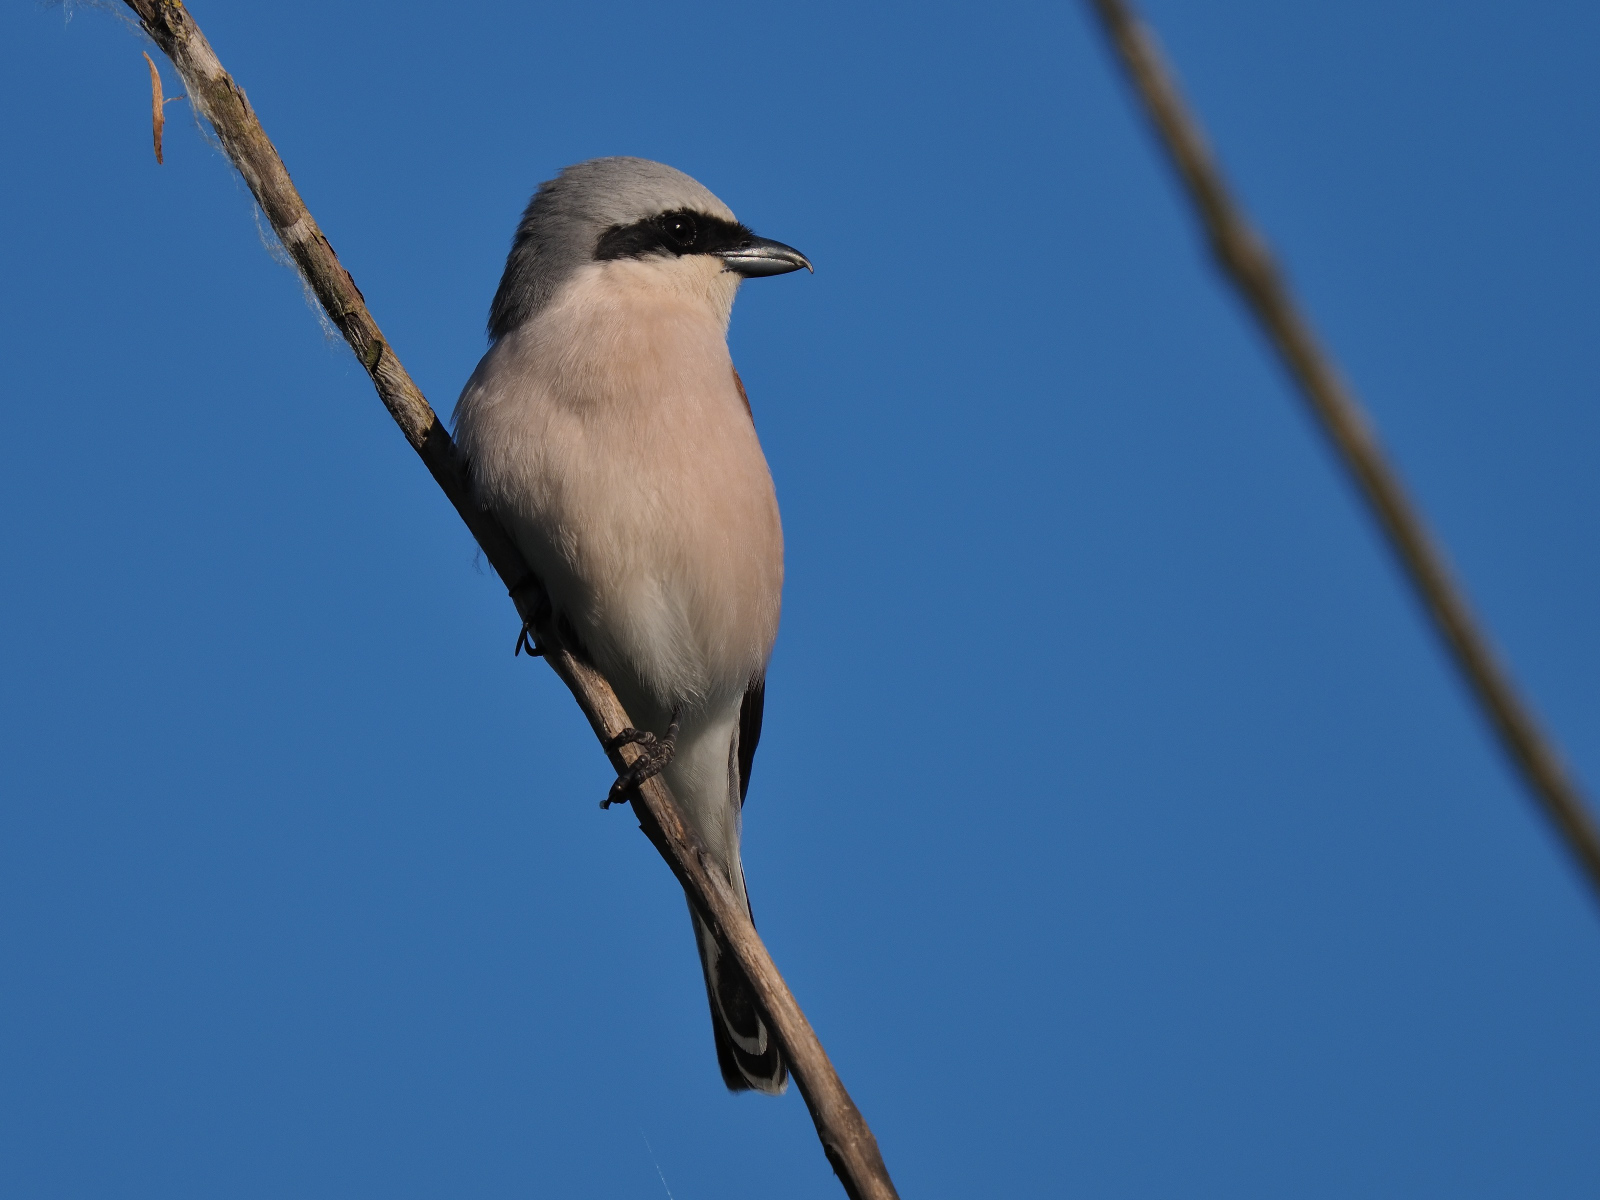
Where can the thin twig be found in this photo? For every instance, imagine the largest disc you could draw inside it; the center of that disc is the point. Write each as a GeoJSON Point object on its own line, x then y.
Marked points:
{"type": "Point", "coordinates": [1244, 257]}
{"type": "Point", "coordinates": [845, 1136]}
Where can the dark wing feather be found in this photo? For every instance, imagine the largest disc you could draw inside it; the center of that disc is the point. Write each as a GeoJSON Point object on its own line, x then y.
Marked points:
{"type": "Point", "coordinates": [756, 696]}
{"type": "Point", "coordinates": [755, 699]}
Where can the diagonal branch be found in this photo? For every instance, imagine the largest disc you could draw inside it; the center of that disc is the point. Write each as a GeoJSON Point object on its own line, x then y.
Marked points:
{"type": "Point", "coordinates": [1244, 257]}
{"type": "Point", "coordinates": [845, 1136]}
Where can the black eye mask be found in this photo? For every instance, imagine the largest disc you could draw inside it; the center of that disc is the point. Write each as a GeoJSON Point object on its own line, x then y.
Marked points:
{"type": "Point", "coordinates": [671, 234]}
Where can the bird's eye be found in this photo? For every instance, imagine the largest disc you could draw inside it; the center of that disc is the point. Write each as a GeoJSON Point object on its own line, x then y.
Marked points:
{"type": "Point", "coordinates": [683, 230]}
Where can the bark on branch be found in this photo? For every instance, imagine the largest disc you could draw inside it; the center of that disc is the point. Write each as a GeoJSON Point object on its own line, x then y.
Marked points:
{"type": "Point", "coordinates": [845, 1136]}
{"type": "Point", "coordinates": [1245, 259]}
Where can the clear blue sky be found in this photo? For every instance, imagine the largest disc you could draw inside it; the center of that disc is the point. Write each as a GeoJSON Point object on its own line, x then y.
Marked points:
{"type": "Point", "coordinates": [1118, 822]}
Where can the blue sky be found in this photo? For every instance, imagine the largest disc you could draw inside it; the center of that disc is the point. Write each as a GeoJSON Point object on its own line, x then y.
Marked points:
{"type": "Point", "coordinates": [1118, 822]}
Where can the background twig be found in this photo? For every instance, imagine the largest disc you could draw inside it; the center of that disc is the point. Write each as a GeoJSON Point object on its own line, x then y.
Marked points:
{"type": "Point", "coordinates": [1245, 260]}
{"type": "Point", "coordinates": [846, 1139]}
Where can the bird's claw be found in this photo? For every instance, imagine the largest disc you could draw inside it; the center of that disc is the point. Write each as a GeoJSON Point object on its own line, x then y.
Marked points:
{"type": "Point", "coordinates": [527, 644]}
{"type": "Point", "coordinates": [654, 756]}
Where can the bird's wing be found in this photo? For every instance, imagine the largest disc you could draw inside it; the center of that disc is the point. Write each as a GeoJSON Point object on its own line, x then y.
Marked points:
{"type": "Point", "coordinates": [755, 698]}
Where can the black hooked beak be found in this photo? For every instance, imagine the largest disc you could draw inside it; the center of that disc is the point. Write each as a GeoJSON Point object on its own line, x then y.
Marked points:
{"type": "Point", "coordinates": [754, 256]}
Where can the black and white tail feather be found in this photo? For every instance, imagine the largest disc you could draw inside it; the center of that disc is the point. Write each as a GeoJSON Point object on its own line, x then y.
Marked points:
{"type": "Point", "coordinates": [747, 1052]}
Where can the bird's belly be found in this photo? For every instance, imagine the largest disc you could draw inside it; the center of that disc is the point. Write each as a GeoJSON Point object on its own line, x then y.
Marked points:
{"type": "Point", "coordinates": [658, 538]}
{"type": "Point", "coordinates": [610, 436]}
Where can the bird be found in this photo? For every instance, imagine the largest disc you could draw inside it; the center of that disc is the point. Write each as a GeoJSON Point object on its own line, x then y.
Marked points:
{"type": "Point", "coordinates": [609, 432]}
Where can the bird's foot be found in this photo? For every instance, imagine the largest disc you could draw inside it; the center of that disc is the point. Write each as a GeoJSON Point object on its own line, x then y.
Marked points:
{"type": "Point", "coordinates": [657, 752]}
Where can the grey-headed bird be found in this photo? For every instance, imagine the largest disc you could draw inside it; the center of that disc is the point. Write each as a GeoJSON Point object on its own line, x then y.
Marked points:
{"type": "Point", "coordinates": [608, 430]}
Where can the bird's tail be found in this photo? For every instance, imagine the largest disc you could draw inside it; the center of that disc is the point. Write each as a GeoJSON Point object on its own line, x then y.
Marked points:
{"type": "Point", "coordinates": [747, 1051]}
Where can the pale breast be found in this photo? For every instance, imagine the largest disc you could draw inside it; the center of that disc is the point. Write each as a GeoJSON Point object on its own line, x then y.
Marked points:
{"type": "Point", "coordinates": [611, 438]}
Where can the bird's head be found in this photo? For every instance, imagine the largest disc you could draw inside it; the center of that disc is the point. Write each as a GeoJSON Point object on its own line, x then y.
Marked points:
{"type": "Point", "coordinates": [628, 210]}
